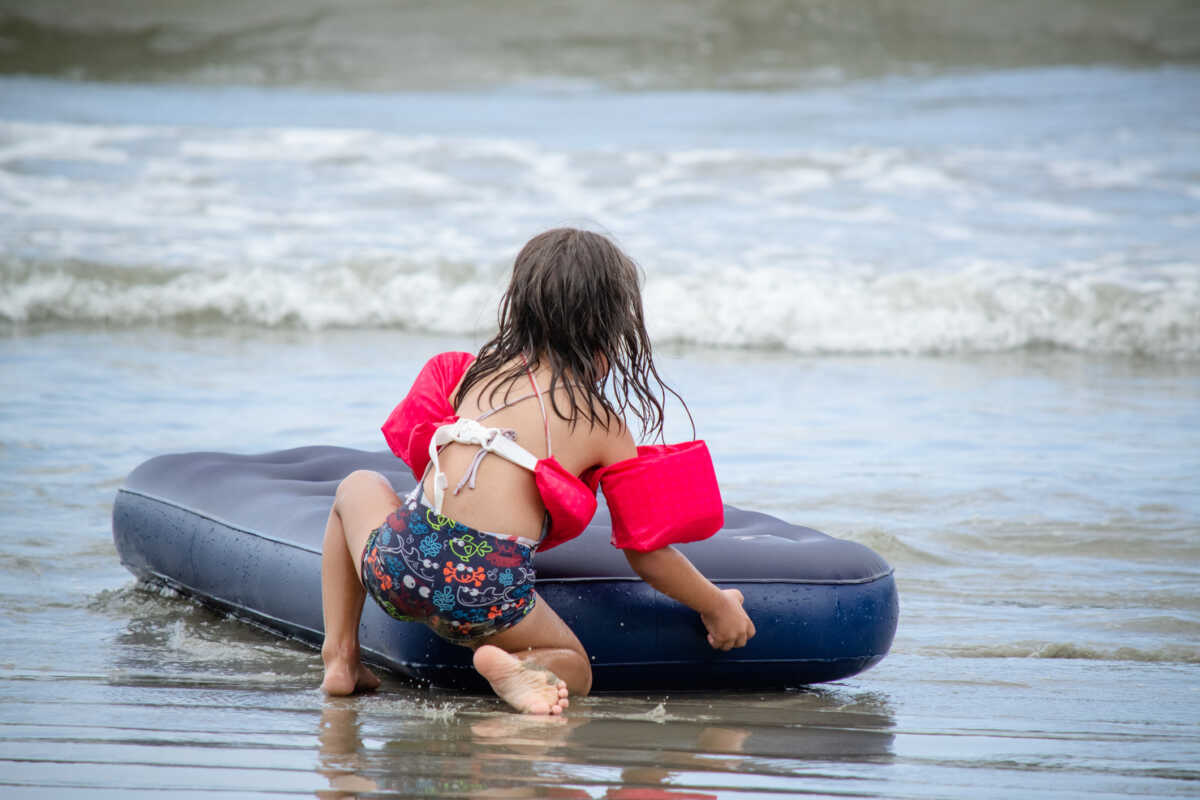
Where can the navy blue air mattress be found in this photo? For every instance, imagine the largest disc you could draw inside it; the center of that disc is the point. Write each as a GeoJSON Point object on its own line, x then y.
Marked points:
{"type": "Point", "coordinates": [243, 533]}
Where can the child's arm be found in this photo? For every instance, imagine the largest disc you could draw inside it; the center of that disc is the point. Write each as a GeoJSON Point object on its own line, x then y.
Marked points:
{"type": "Point", "coordinates": [670, 572]}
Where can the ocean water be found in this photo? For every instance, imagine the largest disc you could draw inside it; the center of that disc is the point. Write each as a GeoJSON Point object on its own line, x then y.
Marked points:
{"type": "Point", "coordinates": [928, 281]}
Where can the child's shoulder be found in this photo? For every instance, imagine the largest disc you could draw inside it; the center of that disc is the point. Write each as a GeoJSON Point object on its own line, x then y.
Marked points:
{"type": "Point", "coordinates": [615, 442]}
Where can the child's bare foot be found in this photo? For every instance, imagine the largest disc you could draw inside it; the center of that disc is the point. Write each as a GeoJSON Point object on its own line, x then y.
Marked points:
{"type": "Point", "coordinates": [344, 676]}
{"type": "Point", "coordinates": [526, 687]}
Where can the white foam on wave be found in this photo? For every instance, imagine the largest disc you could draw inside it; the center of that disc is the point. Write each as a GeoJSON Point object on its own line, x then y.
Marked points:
{"type": "Point", "coordinates": [84, 143]}
{"type": "Point", "coordinates": [1086, 174]}
{"type": "Point", "coordinates": [841, 309]}
{"type": "Point", "coordinates": [979, 308]}
{"type": "Point", "coordinates": [863, 248]}
{"type": "Point", "coordinates": [891, 170]}
{"type": "Point", "coordinates": [347, 295]}
{"type": "Point", "coordinates": [287, 144]}
{"type": "Point", "coordinates": [863, 214]}
{"type": "Point", "coordinates": [1058, 213]}
{"type": "Point", "coordinates": [796, 180]}
{"type": "Point", "coordinates": [188, 196]}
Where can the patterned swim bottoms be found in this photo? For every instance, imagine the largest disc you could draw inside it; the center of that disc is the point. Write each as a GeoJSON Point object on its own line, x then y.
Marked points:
{"type": "Point", "coordinates": [466, 584]}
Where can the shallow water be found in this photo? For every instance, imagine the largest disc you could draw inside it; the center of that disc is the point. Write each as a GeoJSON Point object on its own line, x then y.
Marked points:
{"type": "Point", "coordinates": [928, 281]}
{"type": "Point", "coordinates": [1046, 554]}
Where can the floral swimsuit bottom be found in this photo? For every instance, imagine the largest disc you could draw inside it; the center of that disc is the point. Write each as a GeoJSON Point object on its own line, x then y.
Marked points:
{"type": "Point", "coordinates": [464, 583]}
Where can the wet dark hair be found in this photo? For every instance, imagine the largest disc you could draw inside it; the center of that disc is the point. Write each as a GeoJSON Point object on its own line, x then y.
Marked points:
{"type": "Point", "coordinates": [574, 303]}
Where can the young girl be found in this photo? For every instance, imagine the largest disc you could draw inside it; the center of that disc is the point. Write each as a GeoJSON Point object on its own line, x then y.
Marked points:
{"type": "Point", "coordinates": [547, 398]}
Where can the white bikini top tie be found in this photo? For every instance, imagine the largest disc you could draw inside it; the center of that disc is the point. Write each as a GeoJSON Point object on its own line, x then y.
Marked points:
{"type": "Point", "coordinates": [501, 441]}
{"type": "Point", "coordinates": [490, 440]}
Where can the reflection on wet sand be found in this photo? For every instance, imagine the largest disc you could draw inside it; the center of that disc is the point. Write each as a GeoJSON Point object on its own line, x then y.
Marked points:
{"type": "Point", "coordinates": [511, 747]}
{"type": "Point", "coordinates": [632, 747]}
{"type": "Point", "coordinates": [342, 756]}
{"type": "Point", "coordinates": [651, 783]}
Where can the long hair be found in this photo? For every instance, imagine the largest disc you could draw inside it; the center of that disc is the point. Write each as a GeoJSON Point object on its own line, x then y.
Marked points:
{"type": "Point", "coordinates": [574, 304]}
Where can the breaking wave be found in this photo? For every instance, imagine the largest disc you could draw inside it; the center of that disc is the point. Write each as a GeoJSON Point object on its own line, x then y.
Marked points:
{"type": "Point", "coordinates": [981, 308]}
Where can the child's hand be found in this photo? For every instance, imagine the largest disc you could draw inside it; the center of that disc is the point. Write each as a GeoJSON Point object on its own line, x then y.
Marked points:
{"type": "Point", "coordinates": [727, 622]}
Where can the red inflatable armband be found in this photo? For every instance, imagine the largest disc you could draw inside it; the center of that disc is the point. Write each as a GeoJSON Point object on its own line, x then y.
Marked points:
{"type": "Point", "coordinates": [570, 504]}
{"type": "Point", "coordinates": [427, 405]}
{"type": "Point", "coordinates": [667, 495]}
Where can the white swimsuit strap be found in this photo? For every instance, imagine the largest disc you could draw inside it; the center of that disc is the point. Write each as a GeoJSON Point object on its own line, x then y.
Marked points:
{"type": "Point", "coordinates": [469, 431]}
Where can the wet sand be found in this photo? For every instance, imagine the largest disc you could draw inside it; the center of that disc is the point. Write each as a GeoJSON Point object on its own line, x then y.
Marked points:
{"type": "Point", "coordinates": [236, 710]}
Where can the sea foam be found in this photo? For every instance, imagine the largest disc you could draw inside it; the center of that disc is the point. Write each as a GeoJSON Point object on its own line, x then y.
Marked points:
{"type": "Point", "coordinates": [980, 308]}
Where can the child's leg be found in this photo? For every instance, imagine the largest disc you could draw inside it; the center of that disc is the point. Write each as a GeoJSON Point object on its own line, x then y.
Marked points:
{"type": "Point", "coordinates": [364, 500]}
{"type": "Point", "coordinates": [535, 664]}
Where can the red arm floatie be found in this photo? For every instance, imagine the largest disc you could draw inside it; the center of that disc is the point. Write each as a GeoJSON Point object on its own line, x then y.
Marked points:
{"type": "Point", "coordinates": [569, 502]}
{"type": "Point", "coordinates": [411, 424]}
{"type": "Point", "coordinates": [667, 495]}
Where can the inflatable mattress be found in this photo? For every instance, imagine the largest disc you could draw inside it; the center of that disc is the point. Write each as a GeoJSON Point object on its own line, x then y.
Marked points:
{"type": "Point", "coordinates": [243, 533]}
